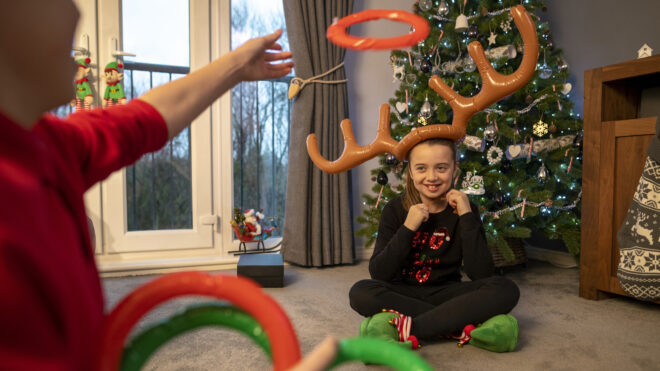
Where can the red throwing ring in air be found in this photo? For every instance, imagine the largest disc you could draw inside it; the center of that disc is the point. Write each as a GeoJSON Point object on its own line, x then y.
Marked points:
{"type": "Point", "coordinates": [337, 31]}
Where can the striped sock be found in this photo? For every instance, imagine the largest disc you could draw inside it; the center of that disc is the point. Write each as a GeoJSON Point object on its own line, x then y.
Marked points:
{"type": "Point", "coordinates": [465, 336]}
{"type": "Point", "coordinates": [403, 326]}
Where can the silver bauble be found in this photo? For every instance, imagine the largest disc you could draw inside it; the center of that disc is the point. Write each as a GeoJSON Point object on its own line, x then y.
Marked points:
{"type": "Point", "coordinates": [490, 133]}
{"type": "Point", "coordinates": [443, 9]}
{"type": "Point", "coordinates": [542, 174]}
{"type": "Point", "coordinates": [417, 63]}
{"type": "Point", "coordinates": [426, 110]}
{"type": "Point", "coordinates": [391, 160]}
{"type": "Point", "coordinates": [469, 65]}
{"type": "Point", "coordinates": [546, 72]}
{"type": "Point", "coordinates": [426, 5]}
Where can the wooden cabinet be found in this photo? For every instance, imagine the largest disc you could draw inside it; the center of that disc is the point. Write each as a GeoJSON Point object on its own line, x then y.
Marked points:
{"type": "Point", "coordinates": [615, 142]}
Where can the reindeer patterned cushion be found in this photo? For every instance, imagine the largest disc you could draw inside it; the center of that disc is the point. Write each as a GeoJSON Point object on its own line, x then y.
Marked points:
{"type": "Point", "coordinates": [639, 238]}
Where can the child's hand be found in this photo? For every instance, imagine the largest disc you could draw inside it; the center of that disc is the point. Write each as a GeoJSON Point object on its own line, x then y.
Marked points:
{"type": "Point", "coordinates": [256, 61]}
{"type": "Point", "coordinates": [459, 201]}
{"type": "Point", "coordinates": [417, 215]}
{"type": "Point", "coordinates": [320, 358]}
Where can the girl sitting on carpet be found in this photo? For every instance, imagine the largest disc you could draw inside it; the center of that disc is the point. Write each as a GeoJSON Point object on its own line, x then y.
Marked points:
{"type": "Point", "coordinates": [424, 239]}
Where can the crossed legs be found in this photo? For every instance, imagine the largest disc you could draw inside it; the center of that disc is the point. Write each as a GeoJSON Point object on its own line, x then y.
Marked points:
{"type": "Point", "coordinates": [437, 311]}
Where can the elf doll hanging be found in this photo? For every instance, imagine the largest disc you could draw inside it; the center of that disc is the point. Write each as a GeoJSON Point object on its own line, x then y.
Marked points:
{"type": "Point", "coordinates": [114, 91]}
{"type": "Point", "coordinates": [84, 97]}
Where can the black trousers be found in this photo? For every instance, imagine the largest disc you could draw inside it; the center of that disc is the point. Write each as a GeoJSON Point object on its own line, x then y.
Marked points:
{"type": "Point", "coordinates": [437, 311]}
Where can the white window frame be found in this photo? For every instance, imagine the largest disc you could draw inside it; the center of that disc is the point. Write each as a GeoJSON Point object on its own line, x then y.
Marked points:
{"type": "Point", "coordinates": [143, 252]}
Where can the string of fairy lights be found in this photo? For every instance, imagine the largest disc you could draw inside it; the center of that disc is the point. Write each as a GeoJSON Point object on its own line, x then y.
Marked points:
{"type": "Point", "coordinates": [488, 110]}
{"type": "Point", "coordinates": [534, 103]}
{"type": "Point", "coordinates": [491, 14]}
{"type": "Point", "coordinates": [546, 206]}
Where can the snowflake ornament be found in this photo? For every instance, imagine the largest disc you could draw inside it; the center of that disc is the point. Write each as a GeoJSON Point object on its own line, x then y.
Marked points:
{"type": "Point", "coordinates": [505, 25]}
{"type": "Point", "coordinates": [540, 128]}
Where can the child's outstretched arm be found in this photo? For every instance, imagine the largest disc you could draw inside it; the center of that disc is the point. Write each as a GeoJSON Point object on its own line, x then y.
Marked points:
{"type": "Point", "coordinates": [180, 101]}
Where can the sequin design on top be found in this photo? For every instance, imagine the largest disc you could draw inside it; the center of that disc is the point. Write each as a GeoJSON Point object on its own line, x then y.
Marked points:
{"type": "Point", "coordinates": [424, 245]}
{"type": "Point", "coordinates": [438, 238]}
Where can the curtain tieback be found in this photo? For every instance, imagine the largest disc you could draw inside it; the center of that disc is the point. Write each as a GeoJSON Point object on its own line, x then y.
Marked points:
{"type": "Point", "coordinates": [297, 84]}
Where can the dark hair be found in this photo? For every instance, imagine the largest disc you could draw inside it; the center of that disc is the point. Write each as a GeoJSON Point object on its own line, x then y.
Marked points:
{"type": "Point", "coordinates": [411, 195]}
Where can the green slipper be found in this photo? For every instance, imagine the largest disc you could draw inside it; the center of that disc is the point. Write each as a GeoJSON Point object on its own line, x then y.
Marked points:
{"type": "Point", "coordinates": [498, 334]}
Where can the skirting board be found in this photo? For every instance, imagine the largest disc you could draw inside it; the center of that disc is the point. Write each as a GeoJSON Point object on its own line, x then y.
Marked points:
{"type": "Point", "coordinates": [557, 258]}
{"type": "Point", "coordinates": [164, 266]}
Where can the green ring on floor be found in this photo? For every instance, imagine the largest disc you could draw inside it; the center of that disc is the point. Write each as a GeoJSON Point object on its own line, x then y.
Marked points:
{"type": "Point", "coordinates": [379, 352]}
{"type": "Point", "coordinates": [138, 351]}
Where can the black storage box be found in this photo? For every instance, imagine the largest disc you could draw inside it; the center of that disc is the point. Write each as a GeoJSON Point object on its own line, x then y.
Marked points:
{"type": "Point", "coordinates": [266, 269]}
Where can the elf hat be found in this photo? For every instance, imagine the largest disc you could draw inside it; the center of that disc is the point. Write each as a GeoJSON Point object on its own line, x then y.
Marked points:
{"type": "Point", "coordinates": [113, 66]}
{"type": "Point", "coordinates": [84, 63]}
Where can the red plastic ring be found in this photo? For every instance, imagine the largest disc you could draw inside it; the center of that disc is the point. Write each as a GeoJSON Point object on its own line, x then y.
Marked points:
{"type": "Point", "coordinates": [337, 31]}
{"type": "Point", "coordinates": [241, 292]}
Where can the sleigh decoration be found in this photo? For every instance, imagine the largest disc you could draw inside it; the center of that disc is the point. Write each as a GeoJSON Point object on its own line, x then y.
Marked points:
{"type": "Point", "coordinates": [248, 229]}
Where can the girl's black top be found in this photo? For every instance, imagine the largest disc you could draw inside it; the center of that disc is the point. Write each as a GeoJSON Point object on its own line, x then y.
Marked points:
{"type": "Point", "coordinates": [435, 253]}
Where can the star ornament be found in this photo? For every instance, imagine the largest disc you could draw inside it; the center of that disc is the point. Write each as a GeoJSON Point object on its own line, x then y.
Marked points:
{"type": "Point", "coordinates": [491, 38]}
{"type": "Point", "coordinates": [540, 128]}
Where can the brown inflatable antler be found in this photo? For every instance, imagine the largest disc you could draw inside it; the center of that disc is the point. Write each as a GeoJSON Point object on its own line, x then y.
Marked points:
{"type": "Point", "coordinates": [494, 87]}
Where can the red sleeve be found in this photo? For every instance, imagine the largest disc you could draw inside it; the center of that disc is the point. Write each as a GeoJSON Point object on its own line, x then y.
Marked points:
{"type": "Point", "coordinates": [29, 339]}
{"type": "Point", "coordinates": [102, 141]}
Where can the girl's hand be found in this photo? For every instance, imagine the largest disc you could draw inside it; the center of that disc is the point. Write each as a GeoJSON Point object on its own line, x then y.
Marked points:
{"type": "Point", "coordinates": [256, 61]}
{"type": "Point", "coordinates": [417, 215]}
{"type": "Point", "coordinates": [459, 201]}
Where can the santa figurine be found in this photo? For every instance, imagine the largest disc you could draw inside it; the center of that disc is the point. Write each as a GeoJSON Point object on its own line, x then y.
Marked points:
{"type": "Point", "coordinates": [114, 91]}
{"type": "Point", "coordinates": [84, 97]}
{"type": "Point", "coordinates": [252, 219]}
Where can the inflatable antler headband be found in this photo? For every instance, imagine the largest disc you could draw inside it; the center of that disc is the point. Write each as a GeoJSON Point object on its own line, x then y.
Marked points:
{"type": "Point", "coordinates": [494, 87]}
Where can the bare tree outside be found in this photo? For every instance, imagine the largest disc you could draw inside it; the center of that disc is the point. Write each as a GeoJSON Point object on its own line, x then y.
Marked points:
{"type": "Point", "coordinates": [159, 185]}
{"type": "Point", "coordinates": [260, 119]}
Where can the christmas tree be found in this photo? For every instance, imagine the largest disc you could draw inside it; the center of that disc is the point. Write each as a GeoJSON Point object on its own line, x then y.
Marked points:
{"type": "Point", "coordinates": [521, 160]}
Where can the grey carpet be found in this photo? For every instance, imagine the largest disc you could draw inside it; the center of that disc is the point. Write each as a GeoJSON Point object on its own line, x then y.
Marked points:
{"type": "Point", "coordinates": [558, 329]}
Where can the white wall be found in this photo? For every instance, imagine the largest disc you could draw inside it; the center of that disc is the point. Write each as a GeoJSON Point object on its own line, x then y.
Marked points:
{"type": "Point", "coordinates": [596, 33]}
{"type": "Point", "coordinates": [370, 85]}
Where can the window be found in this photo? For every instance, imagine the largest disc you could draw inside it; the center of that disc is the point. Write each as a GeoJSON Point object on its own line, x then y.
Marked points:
{"type": "Point", "coordinates": [161, 210]}
{"type": "Point", "coordinates": [172, 208]}
{"type": "Point", "coordinates": [158, 186]}
{"type": "Point", "coordinates": [260, 118]}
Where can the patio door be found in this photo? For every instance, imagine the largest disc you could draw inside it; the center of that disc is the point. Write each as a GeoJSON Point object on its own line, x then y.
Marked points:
{"type": "Point", "coordinates": [161, 207]}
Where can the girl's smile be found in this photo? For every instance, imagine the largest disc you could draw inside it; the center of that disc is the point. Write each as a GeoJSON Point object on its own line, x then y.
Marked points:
{"type": "Point", "coordinates": [432, 168]}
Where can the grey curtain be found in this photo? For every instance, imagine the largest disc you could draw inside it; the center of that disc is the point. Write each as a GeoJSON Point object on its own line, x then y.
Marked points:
{"type": "Point", "coordinates": [318, 229]}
